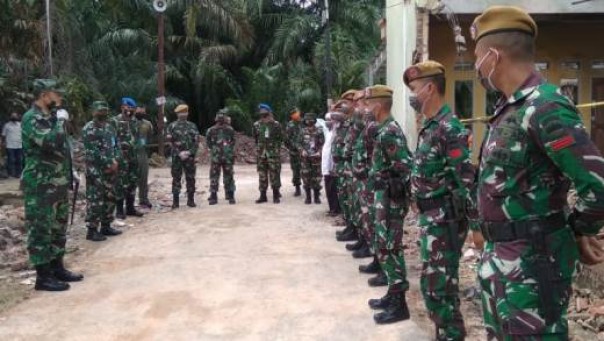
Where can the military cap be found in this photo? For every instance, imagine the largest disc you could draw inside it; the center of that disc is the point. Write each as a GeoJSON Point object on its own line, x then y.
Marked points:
{"type": "Point", "coordinates": [349, 95]}
{"type": "Point", "coordinates": [310, 116]}
{"type": "Point", "coordinates": [426, 69]}
{"type": "Point", "coordinates": [378, 91]}
{"type": "Point", "coordinates": [498, 19]}
{"type": "Point", "coordinates": [182, 108]}
{"type": "Point", "coordinates": [359, 95]}
{"type": "Point", "coordinates": [46, 85]}
{"type": "Point", "coordinates": [129, 101]}
{"type": "Point", "coordinates": [264, 106]}
{"type": "Point", "coordinates": [99, 106]}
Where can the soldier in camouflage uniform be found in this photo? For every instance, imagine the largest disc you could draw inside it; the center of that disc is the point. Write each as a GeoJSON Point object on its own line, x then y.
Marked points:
{"type": "Point", "coordinates": [312, 145]}
{"type": "Point", "coordinates": [220, 139]}
{"type": "Point", "coordinates": [184, 137]}
{"type": "Point", "coordinates": [45, 187]}
{"type": "Point", "coordinates": [442, 180]}
{"type": "Point", "coordinates": [269, 136]}
{"type": "Point", "coordinates": [536, 146]}
{"type": "Point", "coordinates": [126, 133]}
{"type": "Point", "coordinates": [293, 142]}
{"type": "Point", "coordinates": [101, 173]}
{"type": "Point", "coordinates": [390, 173]}
{"type": "Point", "coordinates": [145, 131]}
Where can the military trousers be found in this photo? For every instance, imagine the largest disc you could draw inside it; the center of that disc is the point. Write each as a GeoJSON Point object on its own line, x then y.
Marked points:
{"type": "Point", "coordinates": [143, 175]}
{"type": "Point", "coordinates": [439, 281]}
{"type": "Point", "coordinates": [311, 173]}
{"type": "Point", "coordinates": [46, 214]}
{"type": "Point", "coordinates": [128, 175]}
{"type": "Point", "coordinates": [344, 196]}
{"type": "Point", "coordinates": [389, 221]}
{"type": "Point", "coordinates": [100, 199]}
{"type": "Point", "coordinates": [364, 192]}
{"type": "Point", "coordinates": [189, 168]}
{"type": "Point", "coordinates": [269, 169]}
{"type": "Point", "coordinates": [228, 173]}
{"type": "Point", "coordinates": [295, 162]}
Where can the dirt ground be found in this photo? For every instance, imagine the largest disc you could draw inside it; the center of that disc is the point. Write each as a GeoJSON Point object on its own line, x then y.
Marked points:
{"type": "Point", "coordinates": [243, 272]}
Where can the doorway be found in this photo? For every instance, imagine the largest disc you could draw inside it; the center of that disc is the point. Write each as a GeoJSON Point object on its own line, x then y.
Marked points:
{"type": "Point", "coordinates": [597, 113]}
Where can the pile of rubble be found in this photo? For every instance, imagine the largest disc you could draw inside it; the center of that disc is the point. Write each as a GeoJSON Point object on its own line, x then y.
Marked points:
{"type": "Point", "coordinates": [13, 252]}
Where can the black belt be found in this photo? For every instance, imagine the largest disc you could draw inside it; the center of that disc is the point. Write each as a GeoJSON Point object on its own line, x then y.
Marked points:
{"type": "Point", "coordinates": [495, 231]}
{"type": "Point", "coordinates": [432, 203]}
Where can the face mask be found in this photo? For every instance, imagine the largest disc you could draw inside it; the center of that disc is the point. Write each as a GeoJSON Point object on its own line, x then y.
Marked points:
{"type": "Point", "coordinates": [14, 119]}
{"type": "Point", "coordinates": [329, 124]}
{"type": "Point", "coordinates": [415, 102]}
{"type": "Point", "coordinates": [101, 116]}
{"type": "Point", "coordinates": [486, 82]}
{"type": "Point", "coordinates": [139, 116]}
{"type": "Point", "coordinates": [182, 117]}
{"type": "Point", "coordinates": [368, 116]}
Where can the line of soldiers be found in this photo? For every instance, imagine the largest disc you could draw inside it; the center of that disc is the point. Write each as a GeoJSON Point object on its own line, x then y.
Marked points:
{"type": "Point", "coordinates": [516, 200]}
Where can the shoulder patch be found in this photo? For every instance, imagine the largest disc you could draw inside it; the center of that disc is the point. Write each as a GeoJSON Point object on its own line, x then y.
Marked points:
{"type": "Point", "coordinates": [562, 143]}
{"type": "Point", "coordinates": [455, 153]}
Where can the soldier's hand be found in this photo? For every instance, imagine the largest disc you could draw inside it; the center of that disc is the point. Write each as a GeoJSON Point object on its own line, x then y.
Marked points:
{"type": "Point", "coordinates": [113, 168]}
{"type": "Point", "coordinates": [414, 207]}
{"type": "Point", "coordinates": [478, 240]}
{"type": "Point", "coordinates": [590, 250]}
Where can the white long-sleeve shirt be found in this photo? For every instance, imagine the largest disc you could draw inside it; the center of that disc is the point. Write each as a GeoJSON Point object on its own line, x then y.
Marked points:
{"type": "Point", "coordinates": [327, 164]}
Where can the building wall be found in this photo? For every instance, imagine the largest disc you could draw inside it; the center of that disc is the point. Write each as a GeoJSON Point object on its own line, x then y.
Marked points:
{"type": "Point", "coordinates": [532, 6]}
{"type": "Point", "coordinates": [557, 43]}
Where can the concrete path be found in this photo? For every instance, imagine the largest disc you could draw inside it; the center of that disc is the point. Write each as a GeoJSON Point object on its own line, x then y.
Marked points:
{"type": "Point", "coordinates": [243, 272]}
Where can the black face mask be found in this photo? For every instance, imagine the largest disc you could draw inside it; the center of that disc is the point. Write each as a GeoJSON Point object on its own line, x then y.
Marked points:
{"type": "Point", "coordinates": [14, 119]}
{"type": "Point", "coordinates": [140, 116]}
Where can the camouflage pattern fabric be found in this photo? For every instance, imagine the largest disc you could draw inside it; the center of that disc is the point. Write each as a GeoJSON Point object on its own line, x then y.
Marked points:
{"type": "Point", "coordinates": [269, 137]}
{"type": "Point", "coordinates": [535, 146]}
{"type": "Point", "coordinates": [45, 185]}
{"type": "Point", "coordinates": [391, 165]}
{"type": "Point", "coordinates": [293, 143]}
{"type": "Point", "coordinates": [337, 152]}
{"type": "Point", "coordinates": [221, 142]}
{"type": "Point", "coordinates": [184, 137]}
{"type": "Point", "coordinates": [145, 130]}
{"type": "Point", "coordinates": [126, 133]}
{"type": "Point", "coordinates": [442, 168]}
{"type": "Point", "coordinates": [100, 153]}
{"type": "Point", "coordinates": [354, 213]}
{"type": "Point", "coordinates": [312, 144]}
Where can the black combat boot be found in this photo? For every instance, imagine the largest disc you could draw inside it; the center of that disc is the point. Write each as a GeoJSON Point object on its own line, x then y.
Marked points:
{"type": "Point", "coordinates": [308, 200]}
{"type": "Point", "coordinates": [371, 268]}
{"type": "Point", "coordinates": [350, 236]}
{"type": "Point", "coordinates": [356, 245]}
{"type": "Point", "coordinates": [379, 280]}
{"type": "Point", "coordinates": [63, 274]}
{"type": "Point", "coordinates": [381, 303]}
{"type": "Point", "coordinates": [262, 198]}
{"type": "Point", "coordinates": [119, 209]}
{"type": "Point", "coordinates": [317, 196]}
{"type": "Point", "coordinates": [276, 196]}
{"type": "Point", "coordinates": [298, 192]}
{"type": "Point", "coordinates": [45, 280]}
{"type": "Point", "coordinates": [191, 199]}
{"type": "Point", "coordinates": [94, 235]}
{"type": "Point", "coordinates": [396, 311]}
{"type": "Point", "coordinates": [175, 200]}
{"type": "Point", "coordinates": [362, 252]}
{"type": "Point", "coordinates": [107, 230]}
{"type": "Point", "coordinates": [213, 199]}
{"type": "Point", "coordinates": [130, 210]}
{"type": "Point", "coordinates": [345, 230]}
{"type": "Point", "coordinates": [230, 196]}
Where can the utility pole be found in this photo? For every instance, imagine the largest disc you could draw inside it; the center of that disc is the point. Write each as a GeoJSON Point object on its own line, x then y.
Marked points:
{"type": "Point", "coordinates": [49, 37]}
{"type": "Point", "coordinates": [328, 67]}
{"type": "Point", "coordinates": [160, 8]}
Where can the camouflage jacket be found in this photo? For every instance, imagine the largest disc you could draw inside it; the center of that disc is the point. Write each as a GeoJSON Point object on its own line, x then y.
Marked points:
{"type": "Point", "coordinates": [391, 156]}
{"type": "Point", "coordinates": [442, 165]}
{"type": "Point", "coordinates": [47, 167]}
{"type": "Point", "coordinates": [351, 135]}
{"type": "Point", "coordinates": [293, 138]}
{"type": "Point", "coordinates": [269, 138]}
{"type": "Point", "coordinates": [312, 142]}
{"type": "Point", "coordinates": [99, 139]}
{"type": "Point", "coordinates": [536, 145]}
{"type": "Point", "coordinates": [144, 130]}
{"type": "Point", "coordinates": [220, 139]}
{"type": "Point", "coordinates": [126, 131]}
{"type": "Point", "coordinates": [338, 147]}
{"type": "Point", "coordinates": [184, 136]}
{"type": "Point", "coordinates": [363, 150]}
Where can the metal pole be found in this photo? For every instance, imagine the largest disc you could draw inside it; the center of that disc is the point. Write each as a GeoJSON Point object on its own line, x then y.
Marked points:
{"type": "Point", "coordinates": [49, 36]}
{"type": "Point", "coordinates": [160, 83]}
{"type": "Point", "coordinates": [327, 54]}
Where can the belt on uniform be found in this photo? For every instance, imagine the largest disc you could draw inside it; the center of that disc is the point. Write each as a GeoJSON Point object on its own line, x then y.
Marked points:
{"type": "Point", "coordinates": [432, 203]}
{"type": "Point", "coordinates": [495, 231]}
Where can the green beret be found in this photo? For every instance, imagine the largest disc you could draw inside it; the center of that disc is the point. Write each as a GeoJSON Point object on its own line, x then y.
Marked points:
{"type": "Point", "coordinates": [426, 69]}
{"type": "Point", "coordinates": [46, 85]}
{"type": "Point", "coordinates": [498, 19]}
{"type": "Point", "coordinates": [378, 91]}
{"type": "Point", "coordinates": [99, 106]}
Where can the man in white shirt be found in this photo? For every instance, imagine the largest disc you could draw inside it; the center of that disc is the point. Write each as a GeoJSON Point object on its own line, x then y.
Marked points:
{"type": "Point", "coordinates": [327, 167]}
{"type": "Point", "coordinates": [11, 138]}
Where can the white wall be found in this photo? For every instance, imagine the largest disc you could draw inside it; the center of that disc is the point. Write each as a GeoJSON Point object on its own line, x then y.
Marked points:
{"type": "Point", "coordinates": [401, 33]}
{"type": "Point", "coordinates": [532, 6]}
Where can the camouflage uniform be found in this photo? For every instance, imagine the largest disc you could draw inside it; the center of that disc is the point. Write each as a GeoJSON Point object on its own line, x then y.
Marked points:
{"type": "Point", "coordinates": [391, 168]}
{"type": "Point", "coordinates": [184, 137]}
{"type": "Point", "coordinates": [99, 139]}
{"type": "Point", "coordinates": [354, 214]}
{"type": "Point", "coordinates": [269, 137]}
{"type": "Point", "coordinates": [337, 152]}
{"type": "Point", "coordinates": [45, 185]}
{"type": "Point", "coordinates": [442, 179]}
{"type": "Point", "coordinates": [126, 133]}
{"type": "Point", "coordinates": [312, 144]}
{"type": "Point", "coordinates": [536, 145]}
{"type": "Point", "coordinates": [293, 142]}
{"type": "Point", "coordinates": [145, 130]}
{"type": "Point", "coordinates": [220, 139]}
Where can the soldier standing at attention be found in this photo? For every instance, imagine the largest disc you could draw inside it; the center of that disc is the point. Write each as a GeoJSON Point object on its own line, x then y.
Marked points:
{"type": "Point", "coordinates": [145, 131]}
{"type": "Point", "coordinates": [220, 139]}
{"type": "Point", "coordinates": [269, 136]}
{"type": "Point", "coordinates": [45, 187]}
{"type": "Point", "coordinates": [442, 180]}
{"type": "Point", "coordinates": [390, 174]}
{"type": "Point", "coordinates": [184, 137]}
{"type": "Point", "coordinates": [293, 141]}
{"type": "Point", "coordinates": [536, 146]}
{"type": "Point", "coordinates": [126, 132]}
{"type": "Point", "coordinates": [101, 173]}
{"type": "Point", "coordinates": [312, 145]}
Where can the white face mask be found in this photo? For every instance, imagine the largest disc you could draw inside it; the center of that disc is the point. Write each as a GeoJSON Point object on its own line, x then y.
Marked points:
{"type": "Point", "coordinates": [486, 82]}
